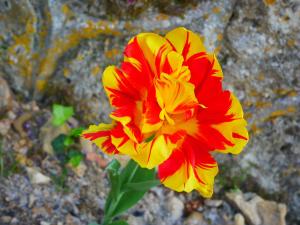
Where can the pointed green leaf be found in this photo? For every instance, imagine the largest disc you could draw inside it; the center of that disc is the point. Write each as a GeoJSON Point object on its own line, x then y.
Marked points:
{"type": "Point", "coordinates": [127, 200]}
{"type": "Point", "coordinates": [61, 114]}
{"type": "Point", "coordinates": [114, 177]}
{"type": "Point", "coordinates": [142, 186]}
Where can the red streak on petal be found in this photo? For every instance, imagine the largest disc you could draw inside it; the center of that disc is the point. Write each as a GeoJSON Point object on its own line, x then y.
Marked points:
{"type": "Point", "coordinates": [236, 135]}
{"type": "Point", "coordinates": [186, 47]}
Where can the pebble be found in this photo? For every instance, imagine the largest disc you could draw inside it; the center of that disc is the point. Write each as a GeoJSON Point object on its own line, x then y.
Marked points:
{"type": "Point", "coordinates": [175, 207]}
{"type": "Point", "coordinates": [195, 218]}
{"type": "Point", "coordinates": [213, 203]}
{"type": "Point", "coordinates": [37, 177]}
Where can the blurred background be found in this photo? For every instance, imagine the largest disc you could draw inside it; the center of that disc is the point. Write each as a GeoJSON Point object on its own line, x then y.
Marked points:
{"type": "Point", "coordinates": [53, 53]}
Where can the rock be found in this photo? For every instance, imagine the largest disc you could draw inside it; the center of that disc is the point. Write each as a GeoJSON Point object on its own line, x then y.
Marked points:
{"type": "Point", "coordinates": [195, 218]}
{"type": "Point", "coordinates": [4, 126]}
{"type": "Point", "coordinates": [271, 212]}
{"type": "Point", "coordinates": [239, 219]}
{"type": "Point", "coordinates": [71, 220]}
{"type": "Point", "coordinates": [80, 169]}
{"type": "Point", "coordinates": [256, 210]}
{"type": "Point", "coordinates": [49, 133]}
{"type": "Point", "coordinates": [37, 177]}
{"type": "Point", "coordinates": [175, 208]}
{"type": "Point", "coordinates": [133, 220]}
{"type": "Point", "coordinates": [5, 219]}
{"type": "Point", "coordinates": [45, 223]}
{"type": "Point", "coordinates": [5, 97]}
{"type": "Point", "coordinates": [213, 203]}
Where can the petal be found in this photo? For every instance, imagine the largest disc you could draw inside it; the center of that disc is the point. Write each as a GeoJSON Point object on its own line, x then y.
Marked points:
{"type": "Point", "coordinates": [235, 130]}
{"type": "Point", "coordinates": [155, 49]}
{"type": "Point", "coordinates": [154, 152]}
{"type": "Point", "coordinates": [185, 42]}
{"type": "Point", "coordinates": [174, 96]}
{"type": "Point", "coordinates": [203, 67]}
{"type": "Point", "coordinates": [189, 167]}
{"type": "Point", "coordinates": [122, 142]}
{"type": "Point", "coordinates": [100, 135]}
{"type": "Point", "coordinates": [118, 88]}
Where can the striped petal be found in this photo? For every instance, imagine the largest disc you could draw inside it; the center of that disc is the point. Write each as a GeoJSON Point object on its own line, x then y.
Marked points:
{"type": "Point", "coordinates": [235, 130]}
{"type": "Point", "coordinates": [154, 152]}
{"type": "Point", "coordinates": [101, 136]}
{"type": "Point", "coordinates": [189, 167]}
{"type": "Point", "coordinates": [185, 42]}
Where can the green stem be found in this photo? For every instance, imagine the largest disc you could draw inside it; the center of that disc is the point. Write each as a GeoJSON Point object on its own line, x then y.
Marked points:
{"type": "Point", "coordinates": [107, 217]}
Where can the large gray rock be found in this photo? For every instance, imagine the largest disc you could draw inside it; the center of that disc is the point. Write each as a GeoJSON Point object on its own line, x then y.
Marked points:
{"type": "Point", "coordinates": [258, 211]}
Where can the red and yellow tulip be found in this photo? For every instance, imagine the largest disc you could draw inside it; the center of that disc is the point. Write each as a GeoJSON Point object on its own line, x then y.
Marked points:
{"type": "Point", "coordinates": [170, 111]}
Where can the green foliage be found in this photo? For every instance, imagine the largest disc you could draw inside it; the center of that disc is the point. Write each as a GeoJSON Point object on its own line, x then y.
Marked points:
{"type": "Point", "coordinates": [61, 114]}
{"type": "Point", "coordinates": [128, 186]}
{"type": "Point", "coordinates": [64, 146]}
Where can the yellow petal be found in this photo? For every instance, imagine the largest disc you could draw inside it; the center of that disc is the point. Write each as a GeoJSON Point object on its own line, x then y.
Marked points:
{"type": "Point", "coordinates": [235, 131]}
{"type": "Point", "coordinates": [185, 179]}
{"type": "Point", "coordinates": [100, 135]}
{"type": "Point", "coordinates": [183, 39]}
{"type": "Point", "coordinates": [152, 46]}
{"type": "Point", "coordinates": [153, 153]}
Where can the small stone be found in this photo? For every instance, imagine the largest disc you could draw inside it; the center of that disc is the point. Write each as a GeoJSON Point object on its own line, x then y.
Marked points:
{"type": "Point", "coordinates": [239, 219]}
{"type": "Point", "coordinates": [14, 221]}
{"type": "Point", "coordinates": [133, 220]}
{"type": "Point", "coordinates": [195, 218]}
{"type": "Point", "coordinates": [32, 200]}
{"type": "Point", "coordinates": [175, 206]}
{"type": "Point", "coordinates": [45, 223]}
{"type": "Point", "coordinates": [39, 211]}
{"type": "Point", "coordinates": [37, 177]}
{"type": "Point", "coordinates": [71, 220]}
{"type": "Point", "coordinates": [5, 219]}
{"type": "Point", "coordinates": [213, 203]}
{"type": "Point", "coordinates": [4, 126]}
{"type": "Point", "coordinates": [5, 96]}
{"type": "Point", "coordinates": [80, 169]}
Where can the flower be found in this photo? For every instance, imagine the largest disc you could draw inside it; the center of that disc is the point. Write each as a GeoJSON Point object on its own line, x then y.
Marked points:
{"type": "Point", "coordinates": [170, 111]}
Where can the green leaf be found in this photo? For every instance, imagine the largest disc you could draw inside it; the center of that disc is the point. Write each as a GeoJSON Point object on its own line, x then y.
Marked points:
{"type": "Point", "coordinates": [130, 176]}
{"type": "Point", "coordinates": [61, 114]}
{"type": "Point", "coordinates": [142, 186]}
{"type": "Point", "coordinates": [76, 132]}
{"type": "Point", "coordinates": [127, 200]}
{"type": "Point", "coordinates": [68, 141]}
{"type": "Point", "coordinates": [128, 171]}
{"type": "Point", "coordinates": [75, 158]}
{"type": "Point", "coordinates": [113, 166]}
{"type": "Point", "coordinates": [58, 144]}
{"type": "Point", "coordinates": [114, 177]}
{"type": "Point", "coordinates": [119, 222]}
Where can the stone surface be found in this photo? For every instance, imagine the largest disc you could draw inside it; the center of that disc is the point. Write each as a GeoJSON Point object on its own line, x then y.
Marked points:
{"type": "Point", "coordinates": [5, 96]}
{"type": "Point", "coordinates": [258, 211]}
{"type": "Point", "coordinates": [175, 208]}
{"type": "Point", "coordinates": [239, 219]}
{"type": "Point", "coordinates": [195, 218]}
{"type": "Point", "coordinates": [37, 177]}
